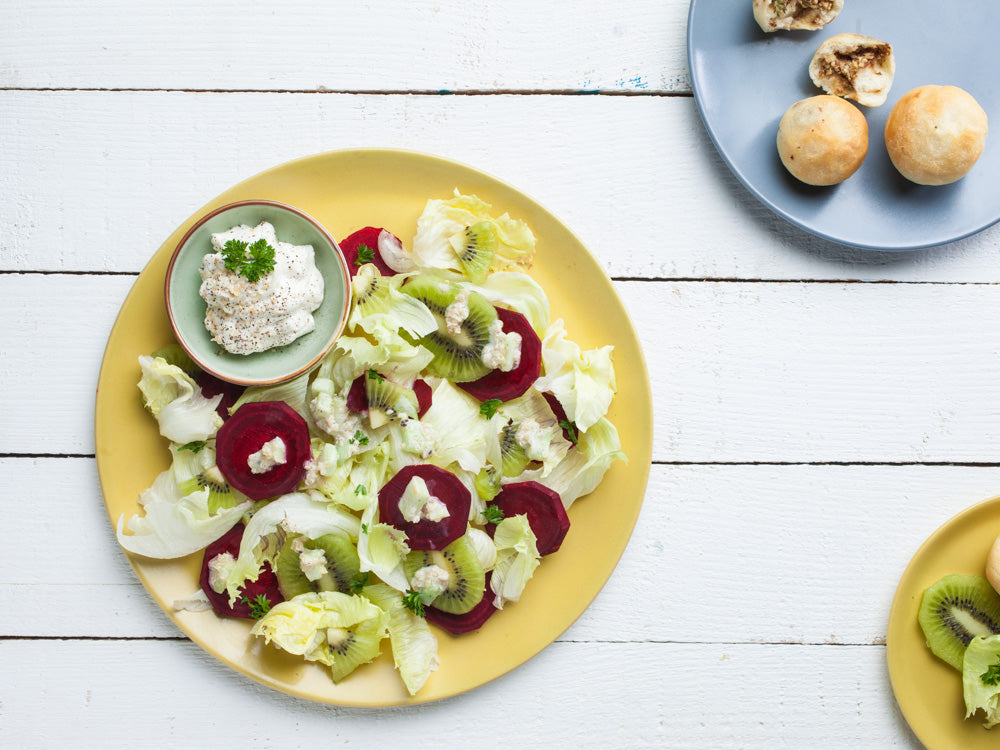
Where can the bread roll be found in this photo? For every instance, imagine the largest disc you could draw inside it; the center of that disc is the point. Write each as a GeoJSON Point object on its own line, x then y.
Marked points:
{"type": "Point", "coordinates": [935, 134]}
{"type": "Point", "coordinates": [855, 67]}
{"type": "Point", "coordinates": [822, 140]}
{"type": "Point", "coordinates": [781, 15]}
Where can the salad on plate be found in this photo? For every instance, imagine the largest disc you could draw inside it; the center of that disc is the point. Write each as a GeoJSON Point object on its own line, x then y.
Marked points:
{"type": "Point", "coordinates": [412, 482]}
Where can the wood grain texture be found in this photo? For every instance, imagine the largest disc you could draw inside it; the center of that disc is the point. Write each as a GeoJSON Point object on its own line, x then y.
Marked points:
{"type": "Point", "coordinates": [96, 181]}
{"type": "Point", "coordinates": [741, 372]}
{"type": "Point", "coordinates": [126, 694]}
{"type": "Point", "coordinates": [445, 45]}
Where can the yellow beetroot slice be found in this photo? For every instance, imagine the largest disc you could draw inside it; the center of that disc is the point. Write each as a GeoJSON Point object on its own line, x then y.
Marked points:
{"type": "Point", "coordinates": [352, 247]}
{"type": "Point", "coordinates": [446, 487]}
{"type": "Point", "coordinates": [509, 385]}
{"type": "Point", "coordinates": [245, 433]}
{"type": "Point", "coordinates": [543, 507]}
{"type": "Point", "coordinates": [266, 584]}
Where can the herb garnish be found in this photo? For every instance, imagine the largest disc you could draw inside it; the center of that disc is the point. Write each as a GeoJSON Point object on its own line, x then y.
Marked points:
{"type": "Point", "coordinates": [249, 261]}
{"type": "Point", "coordinates": [489, 407]}
{"type": "Point", "coordinates": [260, 605]}
{"type": "Point", "coordinates": [358, 582]}
{"type": "Point", "coordinates": [365, 255]}
{"type": "Point", "coordinates": [492, 514]}
{"type": "Point", "coordinates": [413, 602]}
{"type": "Point", "coordinates": [374, 375]}
{"type": "Point", "coordinates": [992, 675]}
{"type": "Point", "coordinates": [194, 446]}
{"type": "Point", "coordinates": [570, 428]}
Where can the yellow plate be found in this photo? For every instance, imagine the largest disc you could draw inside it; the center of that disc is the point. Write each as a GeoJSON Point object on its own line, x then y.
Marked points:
{"type": "Point", "coordinates": [928, 690]}
{"type": "Point", "coordinates": [347, 190]}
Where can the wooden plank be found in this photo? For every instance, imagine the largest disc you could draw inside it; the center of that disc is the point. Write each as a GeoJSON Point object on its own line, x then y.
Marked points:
{"type": "Point", "coordinates": [450, 45]}
{"type": "Point", "coordinates": [650, 695]}
{"type": "Point", "coordinates": [720, 554]}
{"type": "Point", "coordinates": [740, 372]}
{"type": "Point", "coordinates": [104, 193]}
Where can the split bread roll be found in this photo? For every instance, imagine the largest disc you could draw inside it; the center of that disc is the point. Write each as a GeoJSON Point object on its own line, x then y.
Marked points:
{"type": "Point", "coordinates": [784, 15]}
{"type": "Point", "coordinates": [822, 140]}
{"type": "Point", "coordinates": [854, 66]}
{"type": "Point", "coordinates": [935, 134]}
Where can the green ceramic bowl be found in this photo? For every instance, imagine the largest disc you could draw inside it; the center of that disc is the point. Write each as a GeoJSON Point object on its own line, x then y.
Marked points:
{"type": "Point", "coordinates": [186, 308]}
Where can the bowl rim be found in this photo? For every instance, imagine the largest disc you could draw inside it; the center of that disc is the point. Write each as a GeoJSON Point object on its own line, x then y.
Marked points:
{"type": "Point", "coordinates": [338, 329]}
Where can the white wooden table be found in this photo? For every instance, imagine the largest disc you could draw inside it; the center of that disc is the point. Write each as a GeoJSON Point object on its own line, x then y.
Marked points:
{"type": "Point", "coordinates": [818, 410]}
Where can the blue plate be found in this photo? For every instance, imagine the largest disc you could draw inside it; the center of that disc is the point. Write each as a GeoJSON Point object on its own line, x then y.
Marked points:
{"type": "Point", "coordinates": [744, 80]}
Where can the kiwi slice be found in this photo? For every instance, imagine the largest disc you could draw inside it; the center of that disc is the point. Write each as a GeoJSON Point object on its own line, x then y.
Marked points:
{"type": "Point", "coordinates": [369, 289]}
{"type": "Point", "coordinates": [351, 647]}
{"type": "Point", "coordinates": [341, 559]}
{"type": "Point", "coordinates": [459, 356]}
{"type": "Point", "coordinates": [487, 482]}
{"type": "Point", "coordinates": [956, 609]}
{"type": "Point", "coordinates": [220, 494]}
{"type": "Point", "coordinates": [388, 401]}
{"type": "Point", "coordinates": [478, 249]}
{"type": "Point", "coordinates": [514, 459]}
{"type": "Point", "coordinates": [466, 577]}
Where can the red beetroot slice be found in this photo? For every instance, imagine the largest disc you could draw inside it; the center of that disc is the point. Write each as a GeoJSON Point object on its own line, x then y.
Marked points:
{"type": "Point", "coordinates": [352, 245]}
{"type": "Point", "coordinates": [446, 487]}
{"type": "Point", "coordinates": [509, 385]}
{"type": "Point", "coordinates": [357, 398]}
{"type": "Point", "coordinates": [246, 431]}
{"type": "Point", "coordinates": [212, 386]}
{"type": "Point", "coordinates": [266, 583]}
{"type": "Point", "coordinates": [543, 507]}
{"type": "Point", "coordinates": [560, 413]}
{"type": "Point", "coordinates": [471, 620]}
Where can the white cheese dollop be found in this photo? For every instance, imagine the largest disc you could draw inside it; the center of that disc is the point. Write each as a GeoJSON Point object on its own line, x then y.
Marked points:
{"type": "Point", "coordinates": [417, 503]}
{"type": "Point", "coordinates": [456, 313]}
{"type": "Point", "coordinates": [218, 571]}
{"type": "Point", "coordinates": [312, 562]}
{"type": "Point", "coordinates": [503, 351]}
{"type": "Point", "coordinates": [245, 317]}
{"type": "Point", "coordinates": [430, 581]}
{"type": "Point", "coordinates": [271, 454]}
{"type": "Point", "coordinates": [534, 438]}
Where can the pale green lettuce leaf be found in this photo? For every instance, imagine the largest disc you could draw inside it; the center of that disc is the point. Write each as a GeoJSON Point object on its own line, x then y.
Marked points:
{"type": "Point", "coordinates": [483, 546]}
{"type": "Point", "coordinates": [982, 653]}
{"type": "Point", "coordinates": [175, 524]}
{"type": "Point", "coordinates": [388, 308]}
{"type": "Point", "coordinates": [584, 467]}
{"type": "Point", "coordinates": [183, 414]}
{"type": "Point", "coordinates": [414, 647]}
{"type": "Point", "coordinates": [300, 626]}
{"type": "Point", "coordinates": [307, 513]}
{"type": "Point", "coordinates": [517, 559]}
{"type": "Point", "coordinates": [583, 381]}
{"type": "Point", "coordinates": [441, 228]}
{"type": "Point", "coordinates": [292, 392]}
{"type": "Point", "coordinates": [382, 549]}
{"type": "Point", "coordinates": [518, 292]}
{"type": "Point", "coordinates": [460, 432]}
{"type": "Point", "coordinates": [532, 407]}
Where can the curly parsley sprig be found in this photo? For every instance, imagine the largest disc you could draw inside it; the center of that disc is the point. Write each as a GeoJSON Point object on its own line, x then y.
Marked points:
{"type": "Point", "coordinates": [252, 262]}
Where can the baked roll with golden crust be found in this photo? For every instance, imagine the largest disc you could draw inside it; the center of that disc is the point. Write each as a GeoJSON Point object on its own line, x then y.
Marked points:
{"type": "Point", "coordinates": [822, 140]}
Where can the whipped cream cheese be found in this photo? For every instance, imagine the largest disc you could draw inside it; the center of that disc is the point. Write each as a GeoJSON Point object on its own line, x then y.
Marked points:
{"type": "Point", "coordinates": [246, 317]}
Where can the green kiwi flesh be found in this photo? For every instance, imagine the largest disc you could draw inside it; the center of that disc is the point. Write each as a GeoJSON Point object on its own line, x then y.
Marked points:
{"type": "Point", "coordinates": [350, 648]}
{"type": "Point", "coordinates": [487, 482]}
{"type": "Point", "coordinates": [342, 565]}
{"type": "Point", "coordinates": [478, 250]}
{"type": "Point", "coordinates": [457, 357]}
{"type": "Point", "coordinates": [466, 577]}
{"type": "Point", "coordinates": [954, 610]}
{"type": "Point", "coordinates": [220, 494]}
{"type": "Point", "coordinates": [514, 459]}
{"type": "Point", "coordinates": [388, 401]}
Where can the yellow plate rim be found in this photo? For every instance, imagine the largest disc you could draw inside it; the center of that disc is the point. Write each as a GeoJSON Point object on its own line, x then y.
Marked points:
{"type": "Point", "coordinates": [551, 602]}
